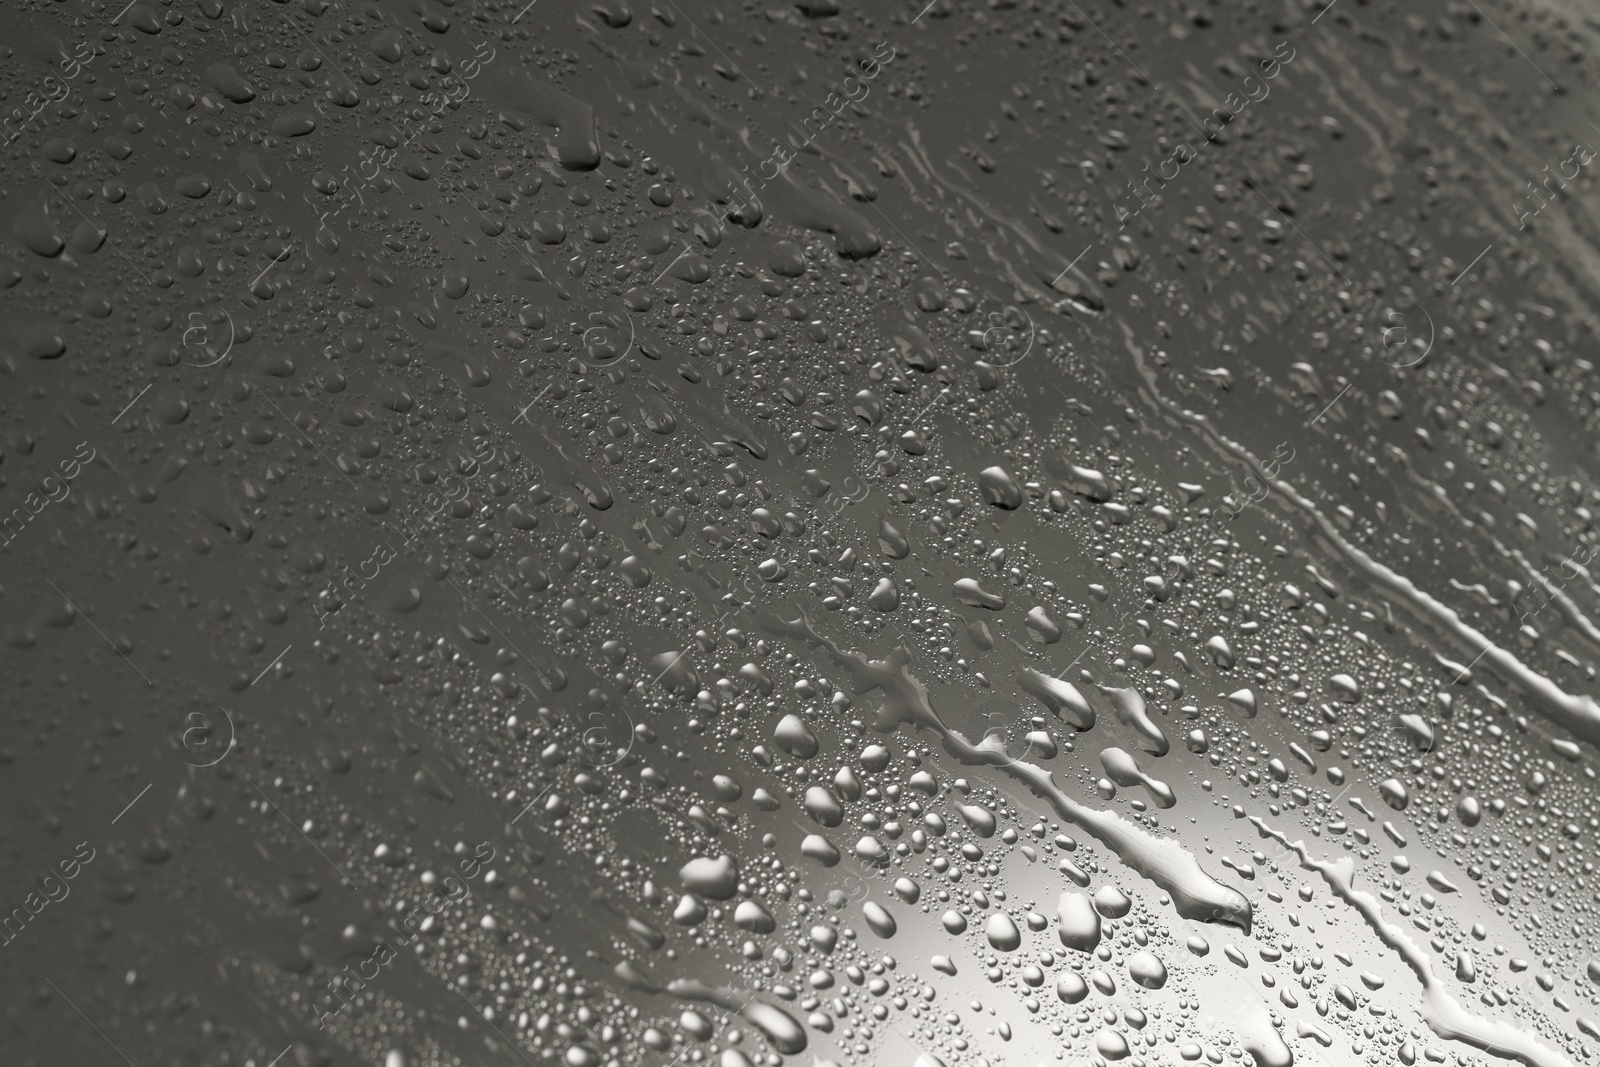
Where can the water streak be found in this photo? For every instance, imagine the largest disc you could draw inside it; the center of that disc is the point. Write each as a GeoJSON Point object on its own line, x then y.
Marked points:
{"type": "Point", "coordinates": [1443, 1014]}
{"type": "Point", "coordinates": [1195, 894]}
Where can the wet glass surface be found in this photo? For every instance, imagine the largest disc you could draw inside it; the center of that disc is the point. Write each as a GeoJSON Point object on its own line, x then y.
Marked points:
{"type": "Point", "coordinates": [805, 534]}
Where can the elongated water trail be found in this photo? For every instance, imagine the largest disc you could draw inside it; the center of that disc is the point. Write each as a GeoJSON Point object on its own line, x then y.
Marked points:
{"type": "Point", "coordinates": [1578, 713]}
{"type": "Point", "coordinates": [1443, 1014]}
{"type": "Point", "coordinates": [1195, 894]}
